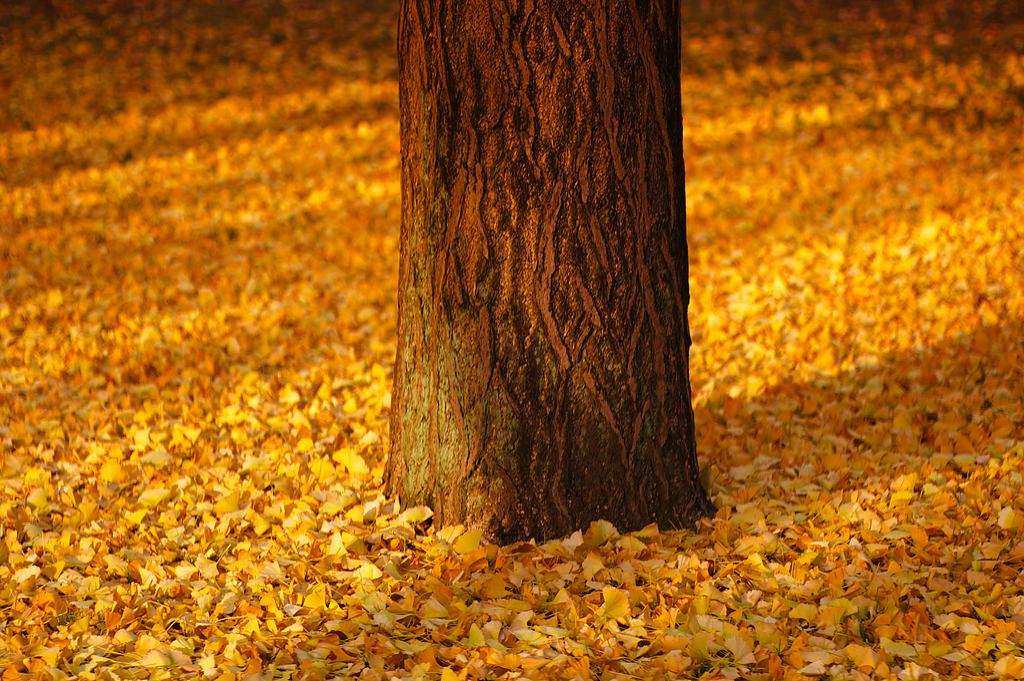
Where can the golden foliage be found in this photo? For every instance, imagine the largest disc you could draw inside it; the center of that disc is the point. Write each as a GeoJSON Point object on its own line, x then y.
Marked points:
{"type": "Point", "coordinates": [198, 238]}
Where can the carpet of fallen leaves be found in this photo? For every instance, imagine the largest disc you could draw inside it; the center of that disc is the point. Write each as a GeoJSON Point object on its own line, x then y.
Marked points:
{"type": "Point", "coordinates": [199, 209]}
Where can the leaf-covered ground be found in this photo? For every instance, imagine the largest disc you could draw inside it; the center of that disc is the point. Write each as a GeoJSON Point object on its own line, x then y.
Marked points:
{"type": "Point", "coordinates": [198, 243]}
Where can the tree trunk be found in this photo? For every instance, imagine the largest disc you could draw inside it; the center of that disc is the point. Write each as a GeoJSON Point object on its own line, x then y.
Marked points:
{"type": "Point", "coordinates": [541, 379]}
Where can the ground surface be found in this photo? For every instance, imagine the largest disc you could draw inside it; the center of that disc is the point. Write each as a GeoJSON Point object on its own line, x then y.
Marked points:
{"type": "Point", "coordinates": [198, 239]}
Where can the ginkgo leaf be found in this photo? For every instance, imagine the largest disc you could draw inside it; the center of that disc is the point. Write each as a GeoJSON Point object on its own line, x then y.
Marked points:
{"type": "Point", "coordinates": [475, 639]}
{"type": "Point", "coordinates": [39, 498]}
{"type": "Point", "coordinates": [157, 457]}
{"type": "Point", "coordinates": [898, 648]}
{"type": "Point", "coordinates": [1009, 667]}
{"type": "Point", "coordinates": [468, 541]}
{"type": "Point", "coordinates": [616, 603]}
{"type": "Point", "coordinates": [316, 598]}
{"type": "Point", "coordinates": [599, 532]}
{"type": "Point", "coordinates": [369, 571]}
{"type": "Point", "coordinates": [862, 657]}
{"type": "Point", "coordinates": [494, 587]}
{"type": "Point", "coordinates": [769, 636]}
{"type": "Point", "coordinates": [701, 646]}
{"type": "Point", "coordinates": [815, 668]}
{"type": "Point", "coordinates": [27, 573]}
{"type": "Point", "coordinates": [153, 497]}
{"type": "Point", "coordinates": [321, 469]}
{"type": "Point", "coordinates": [1010, 518]}
{"type": "Point", "coordinates": [556, 632]}
{"type": "Point", "coordinates": [592, 565]}
{"type": "Point", "coordinates": [116, 563]}
{"type": "Point", "coordinates": [49, 655]}
{"type": "Point", "coordinates": [415, 515]}
{"type": "Point", "coordinates": [740, 649]}
{"type": "Point", "coordinates": [155, 658]}
{"type": "Point", "coordinates": [227, 504]}
{"type": "Point", "coordinates": [804, 611]}
{"type": "Point", "coordinates": [112, 471]}
{"type": "Point", "coordinates": [274, 571]}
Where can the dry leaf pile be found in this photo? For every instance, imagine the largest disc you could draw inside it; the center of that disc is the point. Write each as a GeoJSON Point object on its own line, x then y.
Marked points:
{"type": "Point", "coordinates": [199, 206]}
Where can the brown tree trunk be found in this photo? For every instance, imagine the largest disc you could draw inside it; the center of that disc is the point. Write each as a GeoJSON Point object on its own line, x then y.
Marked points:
{"type": "Point", "coordinates": [542, 377]}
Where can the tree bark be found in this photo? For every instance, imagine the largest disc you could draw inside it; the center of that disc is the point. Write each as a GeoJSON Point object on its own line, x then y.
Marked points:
{"type": "Point", "coordinates": [541, 379]}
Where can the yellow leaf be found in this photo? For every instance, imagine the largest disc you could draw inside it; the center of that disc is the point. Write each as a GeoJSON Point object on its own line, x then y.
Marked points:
{"type": "Point", "coordinates": [369, 571]}
{"type": "Point", "coordinates": [469, 541]}
{"type": "Point", "coordinates": [155, 658]}
{"type": "Point", "coordinates": [157, 457]}
{"type": "Point", "coordinates": [153, 497]}
{"type": "Point", "coordinates": [227, 503]}
{"type": "Point", "coordinates": [599, 532]}
{"type": "Point", "coordinates": [494, 587]}
{"type": "Point", "coordinates": [701, 645]}
{"type": "Point", "coordinates": [769, 636]}
{"type": "Point", "coordinates": [902, 420]}
{"type": "Point", "coordinates": [863, 657]}
{"type": "Point", "coordinates": [556, 632]}
{"type": "Point", "coordinates": [322, 469]}
{"type": "Point", "coordinates": [54, 299]}
{"type": "Point", "coordinates": [39, 498]}
{"type": "Point", "coordinates": [904, 483]}
{"type": "Point", "coordinates": [355, 513]}
{"type": "Point", "coordinates": [825, 360]}
{"type": "Point", "coordinates": [434, 609]}
{"type": "Point", "coordinates": [671, 642]}
{"type": "Point", "coordinates": [648, 532]}
{"type": "Point", "coordinates": [37, 477]}
{"type": "Point", "coordinates": [616, 603]}
{"type": "Point", "coordinates": [740, 649]}
{"type": "Point", "coordinates": [448, 675]}
{"type": "Point", "coordinates": [821, 114]}
{"type": "Point", "coordinates": [274, 571]}
{"type": "Point", "coordinates": [260, 524]}
{"type": "Point", "coordinates": [815, 668]}
{"type": "Point", "coordinates": [918, 535]}
{"type": "Point", "coordinates": [415, 515]}
{"type": "Point", "coordinates": [123, 636]}
{"type": "Point", "coordinates": [88, 511]}
{"type": "Point", "coordinates": [288, 396]}
{"type": "Point", "coordinates": [50, 655]}
{"type": "Point", "coordinates": [898, 648]}
{"type": "Point", "coordinates": [831, 615]}
{"type": "Point", "coordinates": [475, 638]}
{"type": "Point", "coordinates": [748, 514]}
{"type": "Point", "coordinates": [834, 462]}
{"type": "Point", "coordinates": [927, 233]}
{"type": "Point", "coordinates": [562, 598]}
{"type": "Point", "coordinates": [351, 461]}
{"type": "Point", "coordinates": [27, 573]}
{"type": "Point", "coordinates": [630, 543]}
{"type": "Point", "coordinates": [804, 611]}
{"type": "Point", "coordinates": [1010, 518]}
{"type": "Point", "coordinates": [591, 565]}
{"type": "Point", "coordinates": [963, 445]}
{"type": "Point", "coordinates": [1009, 667]}
{"type": "Point", "coordinates": [112, 471]}
{"type": "Point", "coordinates": [316, 598]}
